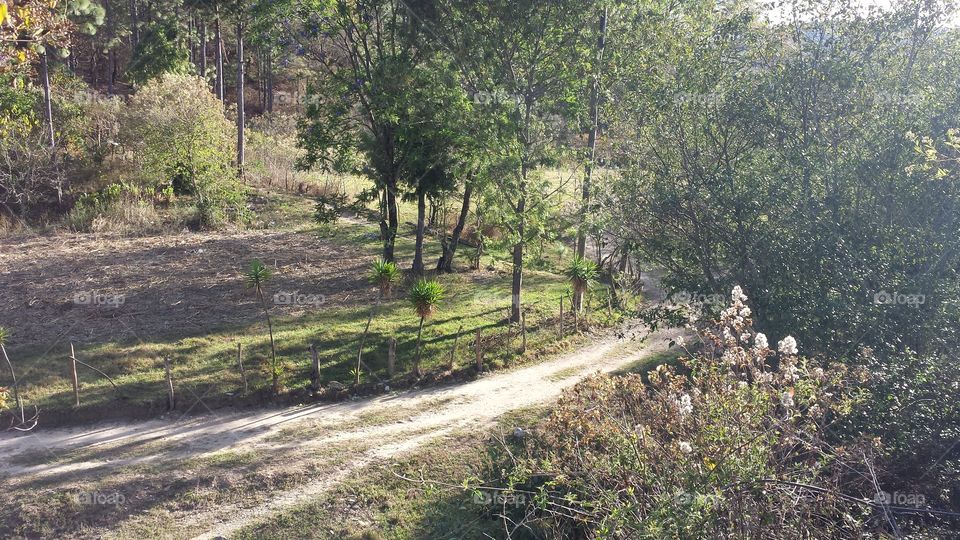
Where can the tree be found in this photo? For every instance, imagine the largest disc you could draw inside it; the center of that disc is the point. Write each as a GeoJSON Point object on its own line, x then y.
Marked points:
{"type": "Point", "coordinates": [160, 50]}
{"type": "Point", "coordinates": [523, 60]}
{"type": "Point", "coordinates": [367, 55]}
{"type": "Point", "coordinates": [424, 297]}
{"type": "Point", "coordinates": [581, 246]}
{"type": "Point", "coordinates": [383, 274]}
{"type": "Point", "coordinates": [256, 276]}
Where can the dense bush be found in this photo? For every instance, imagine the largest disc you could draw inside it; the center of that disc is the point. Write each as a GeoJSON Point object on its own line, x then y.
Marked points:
{"type": "Point", "coordinates": [181, 143]}
{"type": "Point", "coordinates": [733, 444]}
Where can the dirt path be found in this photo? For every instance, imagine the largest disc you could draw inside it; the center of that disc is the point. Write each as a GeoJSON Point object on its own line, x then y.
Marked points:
{"type": "Point", "coordinates": [387, 425]}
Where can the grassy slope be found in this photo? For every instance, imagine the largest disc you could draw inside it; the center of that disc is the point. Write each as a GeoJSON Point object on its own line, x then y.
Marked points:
{"type": "Point", "coordinates": [206, 364]}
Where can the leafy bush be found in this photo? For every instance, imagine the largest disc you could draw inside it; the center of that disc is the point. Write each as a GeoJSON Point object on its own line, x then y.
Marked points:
{"type": "Point", "coordinates": [181, 141]}
{"type": "Point", "coordinates": [329, 207]}
{"type": "Point", "coordinates": [730, 445]}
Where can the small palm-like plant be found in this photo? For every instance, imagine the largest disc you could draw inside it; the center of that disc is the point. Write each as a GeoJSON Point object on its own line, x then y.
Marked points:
{"type": "Point", "coordinates": [257, 275]}
{"type": "Point", "coordinates": [384, 274]}
{"type": "Point", "coordinates": [424, 297]}
{"type": "Point", "coordinates": [582, 273]}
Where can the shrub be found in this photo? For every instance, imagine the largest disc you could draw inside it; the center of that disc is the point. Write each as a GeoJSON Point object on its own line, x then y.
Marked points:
{"type": "Point", "coordinates": [731, 444]}
{"type": "Point", "coordinates": [181, 140]}
{"type": "Point", "coordinates": [384, 274]}
{"type": "Point", "coordinates": [329, 207]}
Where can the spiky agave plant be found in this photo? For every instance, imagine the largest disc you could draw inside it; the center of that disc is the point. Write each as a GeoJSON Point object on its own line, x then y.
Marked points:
{"type": "Point", "coordinates": [384, 274]}
{"type": "Point", "coordinates": [582, 273]}
{"type": "Point", "coordinates": [424, 297]}
{"type": "Point", "coordinates": [257, 275]}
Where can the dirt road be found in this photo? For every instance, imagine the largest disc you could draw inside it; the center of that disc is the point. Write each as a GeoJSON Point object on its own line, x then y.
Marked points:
{"type": "Point", "coordinates": [384, 426]}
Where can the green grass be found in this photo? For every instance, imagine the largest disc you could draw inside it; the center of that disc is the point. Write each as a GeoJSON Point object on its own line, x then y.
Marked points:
{"type": "Point", "coordinates": [205, 365]}
{"type": "Point", "coordinates": [420, 495]}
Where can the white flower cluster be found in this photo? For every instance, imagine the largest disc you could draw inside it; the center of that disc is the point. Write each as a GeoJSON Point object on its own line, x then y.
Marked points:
{"type": "Point", "coordinates": [685, 405]}
{"type": "Point", "coordinates": [787, 346]}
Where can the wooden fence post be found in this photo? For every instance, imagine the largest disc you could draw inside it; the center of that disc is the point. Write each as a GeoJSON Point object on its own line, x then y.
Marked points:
{"type": "Point", "coordinates": [171, 398]}
{"type": "Point", "coordinates": [392, 356]}
{"type": "Point", "coordinates": [523, 331]}
{"type": "Point", "coordinates": [576, 319]}
{"type": "Point", "coordinates": [243, 374]}
{"type": "Point", "coordinates": [453, 351]}
{"type": "Point", "coordinates": [561, 317]}
{"type": "Point", "coordinates": [73, 373]}
{"type": "Point", "coordinates": [479, 350]}
{"type": "Point", "coordinates": [315, 370]}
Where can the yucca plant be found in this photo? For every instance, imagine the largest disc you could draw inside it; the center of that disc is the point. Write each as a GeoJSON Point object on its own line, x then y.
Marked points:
{"type": "Point", "coordinates": [257, 275]}
{"type": "Point", "coordinates": [384, 274]}
{"type": "Point", "coordinates": [582, 274]}
{"type": "Point", "coordinates": [424, 297]}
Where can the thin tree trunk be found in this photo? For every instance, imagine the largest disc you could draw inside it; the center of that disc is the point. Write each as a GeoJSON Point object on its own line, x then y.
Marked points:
{"type": "Point", "coordinates": [445, 264]}
{"type": "Point", "coordinates": [517, 284]}
{"type": "Point", "coordinates": [418, 249]}
{"type": "Point", "coordinates": [269, 80]}
{"type": "Point", "coordinates": [363, 338]}
{"type": "Point", "coordinates": [203, 49]}
{"type": "Point", "coordinates": [47, 103]}
{"type": "Point", "coordinates": [393, 223]}
{"type": "Point", "coordinates": [219, 58]}
{"type": "Point", "coordinates": [134, 24]}
{"type": "Point", "coordinates": [591, 149]}
{"type": "Point", "coordinates": [273, 350]}
{"type": "Point", "coordinates": [241, 120]}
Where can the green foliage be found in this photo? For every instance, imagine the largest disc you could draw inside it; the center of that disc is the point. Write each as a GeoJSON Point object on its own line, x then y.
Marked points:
{"type": "Point", "coordinates": [256, 275]}
{"type": "Point", "coordinates": [329, 207]}
{"type": "Point", "coordinates": [4, 335]}
{"type": "Point", "coordinates": [161, 51]}
{"type": "Point", "coordinates": [424, 297]}
{"type": "Point", "coordinates": [384, 274]}
{"type": "Point", "coordinates": [731, 445]}
{"type": "Point", "coordinates": [181, 140]}
{"type": "Point", "coordinates": [582, 273]}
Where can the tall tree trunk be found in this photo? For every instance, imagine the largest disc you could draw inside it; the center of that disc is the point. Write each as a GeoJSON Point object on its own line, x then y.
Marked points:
{"type": "Point", "coordinates": [445, 264]}
{"type": "Point", "coordinates": [241, 120]}
{"type": "Point", "coordinates": [111, 53]}
{"type": "Point", "coordinates": [592, 150]}
{"type": "Point", "coordinates": [203, 49]}
{"type": "Point", "coordinates": [134, 24]}
{"type": "Point", "coordinates": [269, 80]}
{"type": "Point", "coordinates": [219, 58]}
{"type": "Point", "coordinates": [47, 102]}
{"type": "Point", "coordinates": [421, 219]}
{"type": "Point", "coordinates": [393, 223]}
{"type": "Point", "coordinates": [191, 50]}
{"type": "Point", "coordinates": [517, 285]}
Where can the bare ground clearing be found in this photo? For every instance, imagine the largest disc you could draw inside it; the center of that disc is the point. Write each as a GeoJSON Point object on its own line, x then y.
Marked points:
{"type": "Point", "coordinates": [171, 286]}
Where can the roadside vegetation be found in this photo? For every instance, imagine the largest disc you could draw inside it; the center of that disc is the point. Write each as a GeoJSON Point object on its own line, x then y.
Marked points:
{"type": "Point", "coordinates": [210, 204]}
